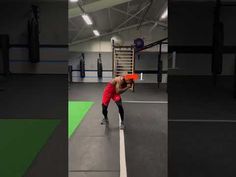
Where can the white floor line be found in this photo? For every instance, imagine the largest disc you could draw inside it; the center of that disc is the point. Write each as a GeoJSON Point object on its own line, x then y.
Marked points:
{"type": "Point", "coordinates": [148, 102]}
{"type": "Point", "coordinates": [201, 120]}
{"type": "Point", "coordinates": [123, 169]}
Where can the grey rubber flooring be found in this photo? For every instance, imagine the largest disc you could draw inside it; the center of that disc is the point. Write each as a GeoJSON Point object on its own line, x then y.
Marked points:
{"type": "Point", "coordinates": [198, 98]}
{"type": "Point", "coordinates": [94, 149]}
{"type": "Point", "coordinates": [146, 140]}
{"type": "Point", "coordinates": [201, 149]}
{"type": "Point", "coordinates": [146, 133]}
{"type": "Point", "coordinates": [40, 97]}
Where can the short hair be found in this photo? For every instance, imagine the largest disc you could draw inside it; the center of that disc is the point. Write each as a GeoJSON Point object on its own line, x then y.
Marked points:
{"type": "Point", "coordinates": [132, 81]}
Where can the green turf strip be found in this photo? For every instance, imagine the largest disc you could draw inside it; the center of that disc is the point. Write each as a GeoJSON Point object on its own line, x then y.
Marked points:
{"type": "Point", "coordinates": [20, 142]}
{"type": "Point", "coordinates": [77, 111]}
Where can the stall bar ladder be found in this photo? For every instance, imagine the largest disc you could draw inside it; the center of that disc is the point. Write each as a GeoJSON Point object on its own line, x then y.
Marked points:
{"type": "Point", "coordinates": [123, 60]}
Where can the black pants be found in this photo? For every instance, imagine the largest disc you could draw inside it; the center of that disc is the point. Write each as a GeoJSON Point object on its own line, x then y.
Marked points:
{"type": "Point", "coordinates": [120, 107]}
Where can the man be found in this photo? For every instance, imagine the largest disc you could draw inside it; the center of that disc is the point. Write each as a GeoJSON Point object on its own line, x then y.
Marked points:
{"type": "Point", "coordinates": [113, 89]}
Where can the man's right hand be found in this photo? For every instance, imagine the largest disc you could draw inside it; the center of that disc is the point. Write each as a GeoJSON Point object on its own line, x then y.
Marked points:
{"type": "Point", "coordinates": [129, 85]}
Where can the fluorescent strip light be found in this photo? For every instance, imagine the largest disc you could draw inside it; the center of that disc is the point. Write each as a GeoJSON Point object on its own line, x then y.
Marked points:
{"type": "Point", "coordinates": [74, 0]}
{"type": "Point", "coordinates": [87, 19]}
{"type": "Point", "coordinates": [96, 33]}
{"type": "Point", "coordinates": [165, 14]}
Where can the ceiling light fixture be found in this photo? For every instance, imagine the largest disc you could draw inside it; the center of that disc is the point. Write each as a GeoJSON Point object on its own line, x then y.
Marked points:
{"type": "Point", "coordinates": [87, 19]}
{"type": "Point", "coordinates": [96, 33]}
{"type": "Point", "coordinates": [165, 14]}
{"type": "Point", "coordinates": [73, 0]}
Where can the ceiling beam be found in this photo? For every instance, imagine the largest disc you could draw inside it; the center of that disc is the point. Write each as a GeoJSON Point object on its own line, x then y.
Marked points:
{"type": "Point", "coordinates": [145, 13]}
{"type": "Point", "coordinates": [157, 21]}
{"type": "Point", "coordinates": [75, 27]}
{"type": "Point", "coordinates": [95, 6]}
{"type": "Point", "coordinates": [78, 33]}
{"type": "Point", "coordinates": [139, 18]}
{"type": "Point", "coordinates": [131, 17]}
{"type": "Point", "coordinates": [110, 33]}
{"type": "Point", "coordinates": [127, 13]}
{"type": "Point", "coordinates": [109, 16]}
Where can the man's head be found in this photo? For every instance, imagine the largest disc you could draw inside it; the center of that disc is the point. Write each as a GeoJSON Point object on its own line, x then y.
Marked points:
{"type": "Point", "coordinates": [129, 81]}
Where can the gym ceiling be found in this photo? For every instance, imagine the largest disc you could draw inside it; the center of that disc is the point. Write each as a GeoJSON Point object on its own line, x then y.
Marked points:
{"type": "Point", "coordinates": [111, 17]}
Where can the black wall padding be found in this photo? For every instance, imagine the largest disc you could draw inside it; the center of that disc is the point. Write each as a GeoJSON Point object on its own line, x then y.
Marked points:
{"type": "Point", "coordinates": [99, 67]}
{"type": "Point", "coordinates": [82, 68]}
{"type": "Point", "coordinates": [218, 44]}
{"type": "Point", "coordinates": [4, 59]}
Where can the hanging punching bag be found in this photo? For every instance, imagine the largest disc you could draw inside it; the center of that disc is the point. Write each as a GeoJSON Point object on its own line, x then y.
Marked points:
{"type": "Point", "coordinates": [235, 76]}
{"type": "Point", "coordinates": [159, 74]}
{"type": "Point", "coordinates": [33, 36]}
{"type": "Point", "coordinates": [159, 66]}
{"type": "Point", "coordinates": [218, 42]}
{"type": "Point", "coordinates": [99, 66]}
{"type": "Point", "coordinates": [70, 69]}
{"type": "Point", "coordinates": [4, 58]}
{"type": "Point", "coordinates": [82, 66]}
{"type": "Point", "coordinates": [217, 55]}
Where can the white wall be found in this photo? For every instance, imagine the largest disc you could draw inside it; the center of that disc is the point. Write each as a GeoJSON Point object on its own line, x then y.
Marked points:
{"type": "Point", "coordinates": [147, 61]}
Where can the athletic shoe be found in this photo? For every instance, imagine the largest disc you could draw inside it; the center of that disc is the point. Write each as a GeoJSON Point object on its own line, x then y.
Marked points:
{"type": "Point", "coordinates": [104, 121]}
{"type": "Point", "coordinates": [122, 126]}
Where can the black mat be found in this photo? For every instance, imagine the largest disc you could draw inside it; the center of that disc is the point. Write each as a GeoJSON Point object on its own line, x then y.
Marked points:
{"type": "Point", "coordinates": [38, 96]}
{"type": "Point", "coordinates": [146, 139]}
{"type": "Point", "coordinates": [201, 149]}
{"type": "Point", "coordinates": [198, 98]}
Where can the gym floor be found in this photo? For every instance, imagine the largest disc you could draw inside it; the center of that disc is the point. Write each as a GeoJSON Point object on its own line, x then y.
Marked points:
{"type": "Point", "coordinates": [201, 129]}
{"type": "Point", "coordinates": [36, 97]}
{"type": "Point", "coordinates": [94, 148]}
